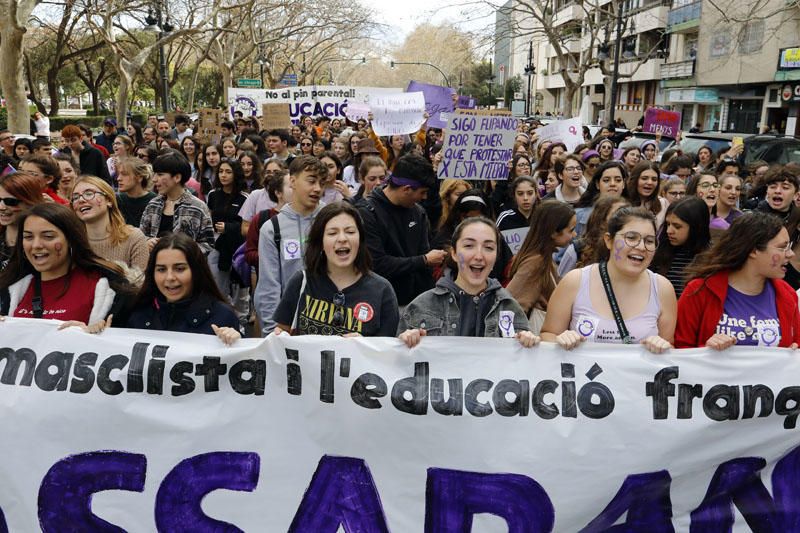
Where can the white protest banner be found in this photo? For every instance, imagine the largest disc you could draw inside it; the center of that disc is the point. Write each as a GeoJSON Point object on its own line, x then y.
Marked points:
{"type": "Point", "coordinates": [515, 237]}
{"type": "Point", "coordinates": [398, 113]}
{"type": "Point", "coordinates": [569, 132]}
{"type": "Point", "coordinates": [478, 145]}
{"type": "Point", "coordinates": [312, 100]}
{"type": "Point", "coordinates": [140, 429]}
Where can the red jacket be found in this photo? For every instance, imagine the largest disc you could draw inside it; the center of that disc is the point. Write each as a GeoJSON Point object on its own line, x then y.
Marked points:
{"type": "Point", "coordinates": [701, 304]}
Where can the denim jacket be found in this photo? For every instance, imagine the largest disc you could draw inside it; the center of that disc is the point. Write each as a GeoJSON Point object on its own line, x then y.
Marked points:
{"type": "Point", "coordinates": [436, 311]}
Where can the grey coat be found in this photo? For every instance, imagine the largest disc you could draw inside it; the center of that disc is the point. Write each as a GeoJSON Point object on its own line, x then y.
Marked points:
{"type": "Point", "coordinates": [436, 311]}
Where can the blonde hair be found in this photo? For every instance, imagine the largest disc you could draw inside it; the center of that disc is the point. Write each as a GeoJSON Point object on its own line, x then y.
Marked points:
{"type": "Point", "coordinates": [447, 187]}
{"type": "Point", "coordinates": [138, 168]}
{"type": "Point", "coordinates": [118, 230]}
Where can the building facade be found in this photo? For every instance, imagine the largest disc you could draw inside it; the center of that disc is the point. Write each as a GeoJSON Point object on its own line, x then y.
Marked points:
{"type": "Point", "coordinates": [721, 66]}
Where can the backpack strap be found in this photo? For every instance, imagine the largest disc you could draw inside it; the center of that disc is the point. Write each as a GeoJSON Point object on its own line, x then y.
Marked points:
{"type": "Point", "coordinates": [276, 230]}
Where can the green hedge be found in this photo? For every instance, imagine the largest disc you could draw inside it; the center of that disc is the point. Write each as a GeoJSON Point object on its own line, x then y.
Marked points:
{"type": "Point", "coordinates": [57, 123]}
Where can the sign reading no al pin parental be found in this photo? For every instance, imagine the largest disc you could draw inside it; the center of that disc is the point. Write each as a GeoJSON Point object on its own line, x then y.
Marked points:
{"type": "Point", "coordinates": [478, 145]}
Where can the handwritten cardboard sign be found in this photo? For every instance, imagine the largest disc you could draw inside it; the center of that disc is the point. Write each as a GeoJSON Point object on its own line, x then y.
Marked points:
{"type": "Point", "coordinates": [275, 117]}
{"type": "Point", "coordinates": [397, 114]}
{"type": "Point", "coordinates": [478, 145]}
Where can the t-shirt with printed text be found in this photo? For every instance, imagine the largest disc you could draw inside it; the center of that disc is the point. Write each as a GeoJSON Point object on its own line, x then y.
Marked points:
{"type": "Point", "coordinates": [751, 320]}
{"type": "Point", "coordinates": [74, 303]}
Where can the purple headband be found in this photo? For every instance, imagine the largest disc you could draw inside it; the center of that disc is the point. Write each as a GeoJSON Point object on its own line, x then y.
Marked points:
{"type": "Point", "coordinates": [400, 182]}
{"type": "Point", "coordinates": [589, 153]}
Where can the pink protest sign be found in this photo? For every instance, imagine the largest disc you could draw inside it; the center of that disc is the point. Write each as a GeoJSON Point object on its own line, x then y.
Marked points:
{"type": "Point", "coordinates": [660, 120]}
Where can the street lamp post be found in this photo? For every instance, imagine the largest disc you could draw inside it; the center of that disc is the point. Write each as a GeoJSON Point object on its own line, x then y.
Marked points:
{"type": "Point", "coordinates": [155, 21]}
{"type": "Point", "coordinates": [446, 80]}
{"type": "Point", "coordinates": [530, 71]}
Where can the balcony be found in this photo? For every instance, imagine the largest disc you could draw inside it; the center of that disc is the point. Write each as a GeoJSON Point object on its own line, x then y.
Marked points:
{"type": "Point", "coordinates": [571, 44]}
{"type": "Point", "coordinates": [553, 81]}
{"type": "Point", "coordinates": [684, 18]}
{"type": "Point", "coordinates": [679, 69]}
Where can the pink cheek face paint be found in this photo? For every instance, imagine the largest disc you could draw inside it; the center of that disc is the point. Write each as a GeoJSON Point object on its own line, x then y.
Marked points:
{"type": "Point", "coordinates": [58, 247]}
{"type": "Point", "coordinates": [776, 260]}
{"type": "Point", "coordinates": [619, 244]}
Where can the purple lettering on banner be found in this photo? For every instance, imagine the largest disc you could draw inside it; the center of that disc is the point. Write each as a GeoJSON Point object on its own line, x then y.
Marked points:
{"type": "Point", "coordinates": [341, 493]}
{"type": "Point", "coordinates": [438, 99]}
{"type": "Point", "coordinates": [65, 496]}
{"type": "Point", "coordinates": [183, 489]}
{"type": "Point", "coordinates": [737, 482]}
{"type": "Point", "coordinates": [466, 102]}
{"type": "Point", "coordinates": [786, 489]}
{"type": "Point", "coordinates": [453, 497]}
{"type": "Point", "coordinates": [645, 499]}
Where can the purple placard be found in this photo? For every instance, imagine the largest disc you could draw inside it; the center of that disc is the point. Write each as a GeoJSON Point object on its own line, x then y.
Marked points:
{"type": "Point", "coordinates": [667, 122]}
{"type": "Point", "coordinates": [438, 99]}
{"type": "Point", "coordinates": [466, 102]}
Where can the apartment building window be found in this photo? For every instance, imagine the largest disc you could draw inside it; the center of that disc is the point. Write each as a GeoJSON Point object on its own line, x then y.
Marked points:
{"type": "Point", "coordinates": [689, 44]}
{"type": "Point", "coordinates": [720, 44]}
{"type": "Point", "coordinates": [751, 37]}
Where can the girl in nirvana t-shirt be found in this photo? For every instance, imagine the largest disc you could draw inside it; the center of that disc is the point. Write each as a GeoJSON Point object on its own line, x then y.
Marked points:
{"type": "Point", "coordinates": [737, 294]}
{"type": "Point", "coordinates": [337, 294]}
{"type": "Point", "coordinates": [55, 274]}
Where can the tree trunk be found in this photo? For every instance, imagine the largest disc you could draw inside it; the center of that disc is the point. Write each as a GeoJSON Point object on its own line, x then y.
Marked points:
{"type": "Point", "coordinates": [193, 86]}
{"type": "Point", "coordinates": [52, 91]}
{"type": "Point", "coordinates": [125, 81]}
{"type": "Point", "coordinates": [569, 96]}
{"type": "Point", "coordinates": [11, 81]}
{"type": "Point", "coordinates": [227, 80]}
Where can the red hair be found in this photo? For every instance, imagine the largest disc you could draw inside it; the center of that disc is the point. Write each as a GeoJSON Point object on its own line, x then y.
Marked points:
{"type": "Point", "coordinates": [24, 187]}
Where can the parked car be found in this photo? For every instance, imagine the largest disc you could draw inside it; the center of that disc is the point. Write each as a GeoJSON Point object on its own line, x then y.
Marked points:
{"type": "Point", "coordinates": [774, 149]}
{"type": "Point", "coordinates": [639, 137]}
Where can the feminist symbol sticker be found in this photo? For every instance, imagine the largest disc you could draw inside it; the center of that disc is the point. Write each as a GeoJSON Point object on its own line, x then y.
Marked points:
{"type": "Point", "coordinates": [587, 327]}
{"type": "Point", "coordinates": [767, 336]}
{"type": "Point", "coordinates": [291, 249]}
{"type": "Point", "coordinates": [506, 324]}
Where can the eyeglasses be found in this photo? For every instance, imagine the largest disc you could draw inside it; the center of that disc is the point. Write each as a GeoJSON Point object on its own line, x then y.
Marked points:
{"type": "Point", "coordinates": [676, 194]}
{"type": "Point", "coordinates": [338, 314]}
{"type": "Point", "coordinates": [573, 169]}
{"type": "Point", "coordinates": [305, 144]}
{"type": "Point", "coordinates": [87, 195]}
{"type": "Point", "coordinates": [708, 185]}
{"type": "Point", "coordinates": [633, 238]}
{"type": "Point", "coordinates": [592, 165]}
{"type": "Point", "coordinates": [10, 201]}
{"type": "Point", "coordinates": [785, 249]}
{"type": "Point", "coordinates": [7, 138]}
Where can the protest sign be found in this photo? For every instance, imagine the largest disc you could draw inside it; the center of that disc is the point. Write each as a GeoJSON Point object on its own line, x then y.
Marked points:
{"type": "Point", "coordinates": [312, 100]}
{"type": "Point", "coordinates": [515, 237]}
{"type": "Point", "coordinates": [477, 145]}
{"type": "Point", "coordinates": [569, 132]}
{"type": "Point", "coordinates": [466, 102]}
{"type": "Point", "coordinates": [313, 434]}
{"type": "Point", "coordinates": [275, 117]}
{"type": "Point", "coordinates": [357, 111]}
{"type": "Point", "coordinates": [438, 99]}
{"type": "Point", "coordinates": [661, 120]}
{"type": "Point", "coordinates": [397, 114]}
{"type": "Point", "coordinates": [210, 125]}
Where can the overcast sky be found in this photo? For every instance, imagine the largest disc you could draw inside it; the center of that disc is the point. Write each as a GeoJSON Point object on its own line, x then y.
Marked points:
{"type": "Point", "coordinates": [402, 16]}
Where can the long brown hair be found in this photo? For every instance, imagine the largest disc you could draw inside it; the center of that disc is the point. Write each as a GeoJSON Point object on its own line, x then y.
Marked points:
{"type": "Point", "coordinates": [652, 204]}
{"type": "Point", "coordinates": [594, 246]}
{"type": "Point", "coordinates": [81, 254]}
{"type": "Point", "coordinates": [751, 231]}
{"type": "Point", "coordinates": [315, 259]}
{"type": "Point", "coordinates": [551, 216]}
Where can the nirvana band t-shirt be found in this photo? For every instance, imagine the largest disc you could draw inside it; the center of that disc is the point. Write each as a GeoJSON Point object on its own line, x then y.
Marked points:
{"type": "Point", "coordinates": [367, 307]}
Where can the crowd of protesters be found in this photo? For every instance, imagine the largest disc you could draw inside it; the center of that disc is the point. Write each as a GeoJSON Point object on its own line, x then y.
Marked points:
{"type": "Point", "coordinates": [328, 229]}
